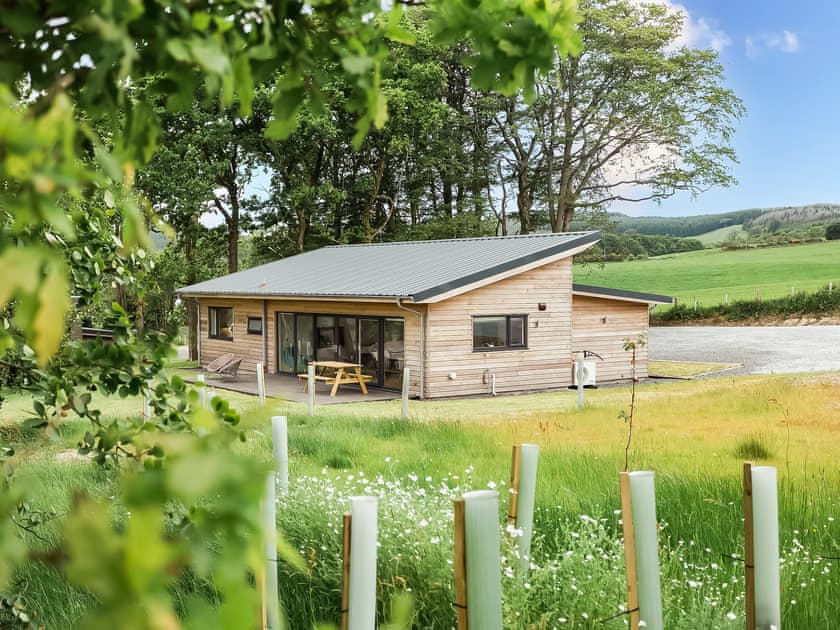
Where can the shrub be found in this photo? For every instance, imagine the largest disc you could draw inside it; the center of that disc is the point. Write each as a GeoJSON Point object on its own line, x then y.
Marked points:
{"type": "Point", "coordinates": [832, 232]}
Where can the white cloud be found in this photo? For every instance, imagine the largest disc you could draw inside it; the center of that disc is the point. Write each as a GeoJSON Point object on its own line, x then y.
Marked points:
{"type": "Point", "coordinates": [697, 32]}
{"type": "Point", "coordinates": [786, 42]}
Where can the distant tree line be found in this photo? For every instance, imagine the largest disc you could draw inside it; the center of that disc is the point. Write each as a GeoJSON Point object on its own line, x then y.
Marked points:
{"type": "Point", "coordinates": [773, 219]}
{"type": "Point", "coordinates": [682, 226]}
{"type": "Point", "coordinates": [616, 247]}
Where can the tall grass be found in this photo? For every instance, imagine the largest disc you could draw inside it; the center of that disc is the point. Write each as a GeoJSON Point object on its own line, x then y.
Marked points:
{"type": "Point", "coordinates": [687, 432]}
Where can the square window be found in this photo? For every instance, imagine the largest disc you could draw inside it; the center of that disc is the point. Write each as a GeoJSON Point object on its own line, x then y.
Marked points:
{"type": "Point", "coordinates": [499, 332]}
{"type": "Point", "coordinates": [255, 326]}
{"type": "Point", "coordinates": [221, 323]}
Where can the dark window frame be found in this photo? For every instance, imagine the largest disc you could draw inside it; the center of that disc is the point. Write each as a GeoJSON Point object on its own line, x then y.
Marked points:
{"type": "Point", "coordinates": [211, 334]}
{"type": "Point", "coordinates": [252, 331]}
{"type": "Point", "coordinates": [507, 345]}
{"type": "Point", "coordinates": [380, 319]}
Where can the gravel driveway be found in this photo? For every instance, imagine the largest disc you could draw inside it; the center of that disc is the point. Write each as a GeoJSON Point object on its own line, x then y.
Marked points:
{"type": "Point", "coordinates": [758, 349]}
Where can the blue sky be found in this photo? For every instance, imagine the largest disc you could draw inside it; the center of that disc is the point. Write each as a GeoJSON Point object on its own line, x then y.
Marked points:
{"type": "Point", "coordinates": [782, 59]}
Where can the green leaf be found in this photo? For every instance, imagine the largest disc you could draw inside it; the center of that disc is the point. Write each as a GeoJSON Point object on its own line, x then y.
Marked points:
{"type": "Point", "coordinates": [208, 55]}
{"type": "Point", "coordinates": [54, 302]}
{"type": "Point", "coordinates": [21, 266]}
{"type": "Point", "coordinates": [357, 64]}
{"type": "Point", "coordinates": [178, 49]}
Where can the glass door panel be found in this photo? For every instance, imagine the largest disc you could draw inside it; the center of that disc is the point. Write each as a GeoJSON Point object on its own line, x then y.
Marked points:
{"type": "Point", "coordinates": [348, 339]}
{"type": "Point", "coordinates": [304, 336]}
{"type": "Point", "coordinates": [285, 342]}
{"type": "Point", "coordinates": [327, 349]}
{"type": "Point", "coordinates": [393, 352]}
{"type": "Point", "coordinates": [369, 348]}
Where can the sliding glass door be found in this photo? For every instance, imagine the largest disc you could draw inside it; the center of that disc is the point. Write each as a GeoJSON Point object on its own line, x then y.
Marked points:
{"type": "Point", "coordinates": [377, 343]}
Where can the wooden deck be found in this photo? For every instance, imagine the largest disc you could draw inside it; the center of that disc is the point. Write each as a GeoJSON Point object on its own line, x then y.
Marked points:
{"type": "Point", "coordinates": [289, 388]}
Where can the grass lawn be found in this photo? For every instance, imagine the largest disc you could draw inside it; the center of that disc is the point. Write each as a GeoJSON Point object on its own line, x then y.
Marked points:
{"type": "Point", "coordinates": [694, 434]}
{"type": "Point", "coordinates": [709, 275]}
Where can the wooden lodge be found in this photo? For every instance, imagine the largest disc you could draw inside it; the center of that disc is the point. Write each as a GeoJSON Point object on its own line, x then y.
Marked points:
{"type": "Point", "coordinates": [467, 316]}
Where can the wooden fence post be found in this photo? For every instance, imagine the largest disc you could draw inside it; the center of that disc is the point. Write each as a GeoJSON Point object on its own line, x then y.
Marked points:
{"type": "Point", "coordinates": [513, 502]}
{"type": "Point", "coordinates": [629, 550]}
{"type": "Point", "coordinates": [523, 481]}
{"type": "Point", "coordinates": [460, 567]}
{"type": "Point", "coordinates": [749, 550]}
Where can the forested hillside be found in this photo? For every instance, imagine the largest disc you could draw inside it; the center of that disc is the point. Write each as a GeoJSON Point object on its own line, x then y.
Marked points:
{"type": "Point", "coordinates": [754, 220]}
{"type": "Point", "coordinates": [682, 226]}
{"type": "Point", "coordinates": [774, 219]}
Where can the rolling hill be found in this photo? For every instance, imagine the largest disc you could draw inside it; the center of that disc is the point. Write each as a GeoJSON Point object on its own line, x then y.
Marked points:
{"type": "Point", "coordinates": [709, 275]}
{"type": "Point", "coordinates": [753, 220]}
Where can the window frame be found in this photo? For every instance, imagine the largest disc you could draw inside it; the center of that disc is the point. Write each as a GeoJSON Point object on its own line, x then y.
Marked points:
{"type": "Point", "coordinates": [252, 331]}
{"type": "Point", "coordinates": [507, 346]}
{"type": "Point", "coordinates": [211, 334]}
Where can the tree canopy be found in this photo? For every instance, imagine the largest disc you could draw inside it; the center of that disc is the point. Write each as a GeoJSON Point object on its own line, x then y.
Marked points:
{"type": "Point", "coordinates": [74, 129]}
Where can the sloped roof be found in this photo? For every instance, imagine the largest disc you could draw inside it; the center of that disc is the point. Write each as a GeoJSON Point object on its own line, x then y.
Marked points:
{"type": "Point", "coordinates": [413, 270]}
{"type": "Point", "coordinates": [620, 294]}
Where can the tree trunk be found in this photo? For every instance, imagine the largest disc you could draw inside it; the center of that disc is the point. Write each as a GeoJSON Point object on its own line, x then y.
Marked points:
{"type": "Point", "coordinates": [233, 235]}
{"type": "Point", "coordinates": [139, 321]}
{"type": "Point", "coordinates": [524, 200]}
{"type": "Point", "coordinates": [192, 277]}
{"type": "Point", "coordinates": [192, 325]}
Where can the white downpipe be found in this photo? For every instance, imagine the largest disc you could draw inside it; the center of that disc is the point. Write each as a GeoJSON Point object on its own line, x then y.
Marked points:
{"type": "Point", "coordinates": [492, 384]}
{"type": "Point", "coordinates": [422, 346]}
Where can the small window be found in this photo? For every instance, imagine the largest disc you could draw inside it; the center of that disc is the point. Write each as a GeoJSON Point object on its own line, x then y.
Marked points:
{"type": "Point", "coordinates": [255, 326]}
{"type": "Point", "coordinates": [221, 323]}
{"type": "Point", "coordinates": [500, 332]}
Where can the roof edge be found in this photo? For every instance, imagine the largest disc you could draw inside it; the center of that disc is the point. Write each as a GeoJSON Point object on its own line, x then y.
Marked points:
{"type": "Point", "coordinates": [584, 238]}
{"type": "Point", "coordinates": [621, 294]}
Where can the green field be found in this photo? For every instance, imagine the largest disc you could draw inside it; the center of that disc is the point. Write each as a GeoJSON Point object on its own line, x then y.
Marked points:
{"type": "Point", "coordinates": [722, 234]}
{"type": "Point", "coordinates": [695, 435]}
{"type": "Point", "coordinates": [709, 275]}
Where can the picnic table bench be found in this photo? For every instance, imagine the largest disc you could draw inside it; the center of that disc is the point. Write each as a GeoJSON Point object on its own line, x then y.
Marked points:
{"type": "Point", "coordinates": [337, 373]}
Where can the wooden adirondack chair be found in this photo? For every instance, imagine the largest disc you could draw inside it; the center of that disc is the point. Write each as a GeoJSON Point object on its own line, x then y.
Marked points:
{"type": "Point", "coordinates": [219, 362]}
{"type": "Point", "coordinates": [230, 369]}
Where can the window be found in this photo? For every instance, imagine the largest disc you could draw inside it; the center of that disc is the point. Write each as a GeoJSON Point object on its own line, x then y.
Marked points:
{"type": "Point", "coordinates": [221, 322]}
{"type": "Point", "coordinates": [500, 332]}
{"type": "Point", "coordinates": [255, 326]}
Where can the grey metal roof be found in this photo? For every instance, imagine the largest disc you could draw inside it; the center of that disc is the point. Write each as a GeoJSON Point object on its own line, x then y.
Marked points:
{"type": "Point", "coordinates": [415, 270]}
{"type": "Point", "coordinates": [636, 296]}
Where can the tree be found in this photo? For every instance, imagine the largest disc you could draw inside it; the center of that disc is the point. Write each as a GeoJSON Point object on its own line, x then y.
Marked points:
{"type": "Point", "coordinates": [71, 139]}
{"type": "Point", "coordinates": [633, 117]}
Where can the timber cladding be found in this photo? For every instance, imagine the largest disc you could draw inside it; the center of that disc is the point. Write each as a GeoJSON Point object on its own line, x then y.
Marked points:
{"type": "Point", "coordinates": [559, 324]}
{"type": "Point", "coordinates": [544, 364]}
{"type": "Point", "coordinates": [250, 347]}
{"type": "Point", "coordinates": [602, 326]}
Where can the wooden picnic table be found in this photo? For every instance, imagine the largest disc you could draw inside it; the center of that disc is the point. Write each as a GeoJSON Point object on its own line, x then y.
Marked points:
{"type": "Point", "coordinates": [337, 373]}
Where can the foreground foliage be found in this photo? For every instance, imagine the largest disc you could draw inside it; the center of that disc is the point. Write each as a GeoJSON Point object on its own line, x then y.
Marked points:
{"type": "Point", "coordinates": [73, 133]}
